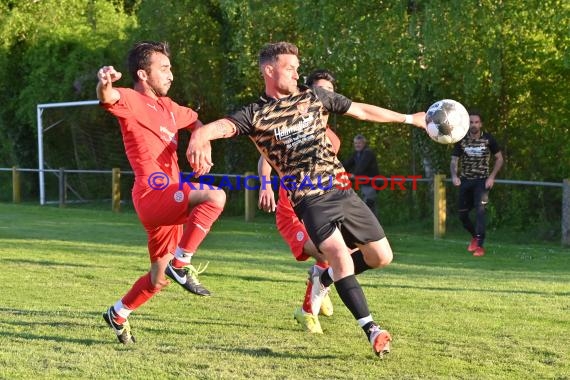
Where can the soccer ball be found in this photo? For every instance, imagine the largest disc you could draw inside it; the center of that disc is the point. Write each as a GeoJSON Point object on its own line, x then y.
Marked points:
{"type": "Point", "coordinates": [447, 121]}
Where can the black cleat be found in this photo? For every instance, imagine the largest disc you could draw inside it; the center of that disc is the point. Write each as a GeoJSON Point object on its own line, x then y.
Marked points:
{"type": "Point", "coordinates": [187, 277]}
{"type": "Point", "coordinates": [123, 331]}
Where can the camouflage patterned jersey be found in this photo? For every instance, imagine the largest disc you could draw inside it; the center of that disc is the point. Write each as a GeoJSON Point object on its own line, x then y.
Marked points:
{"type": "Point", "coordinates": [290, 134]}
{"type": "Point", "coordinates": [475, 154]}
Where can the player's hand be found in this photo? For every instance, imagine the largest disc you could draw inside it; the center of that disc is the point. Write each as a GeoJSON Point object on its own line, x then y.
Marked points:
{"type": "Point", "coordinates": [199, 155]}
{"type": "Point", "coordinates": [266, 199]}
{"type": "Point", "coordinates": [456, 181]}
{"type": "Point", "coordinates": [419, 119]}
{"type": "Point", "coordinates": [489, 182]}
{"type": "Point", "coordinates": [108, 75]}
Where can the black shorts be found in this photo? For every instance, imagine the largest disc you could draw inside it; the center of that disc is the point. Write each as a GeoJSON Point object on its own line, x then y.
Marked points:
{"type": "Point", "coordinates": [341, 209]}
{"type": "Point", "coordinates": [472, 193]}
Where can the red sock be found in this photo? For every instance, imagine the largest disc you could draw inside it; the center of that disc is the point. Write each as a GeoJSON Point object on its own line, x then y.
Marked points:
{"type": "Point", "coordinates": [140, 292]}
{"type": "Point", "coordinates": [322, 265]}
{"type": "Point", "coordinates": [307, 300]}
{"type": "Point", "coordinates": [198, 225]}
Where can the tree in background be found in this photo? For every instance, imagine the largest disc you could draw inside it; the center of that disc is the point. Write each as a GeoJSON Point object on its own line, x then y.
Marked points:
{"type": "Point", "coordinates": [509, 59]}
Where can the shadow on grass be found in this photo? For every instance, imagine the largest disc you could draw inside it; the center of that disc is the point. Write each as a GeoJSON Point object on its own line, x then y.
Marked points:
{"type": "Point", "coordinates": [46, 263]}
{"type": "Point", "coordinates": [269, 353]}
{"type": "Point", "coordinates": [456, 289]}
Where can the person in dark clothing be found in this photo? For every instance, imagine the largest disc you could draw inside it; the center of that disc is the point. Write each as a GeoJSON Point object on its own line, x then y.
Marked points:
{"type": "Point", "coordinates": [476, 179]}
{"type": "Point", "coordinates": [363, 162]}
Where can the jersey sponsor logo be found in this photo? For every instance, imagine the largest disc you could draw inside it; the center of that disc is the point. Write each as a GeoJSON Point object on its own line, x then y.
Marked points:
{"type": "Point", "coordinates": [476, 151]}
{"type": "Point", "coordinates": [283, 132]}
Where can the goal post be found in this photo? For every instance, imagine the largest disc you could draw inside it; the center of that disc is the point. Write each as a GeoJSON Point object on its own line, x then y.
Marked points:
{"type": "Point", "coordinates": [40, 129]}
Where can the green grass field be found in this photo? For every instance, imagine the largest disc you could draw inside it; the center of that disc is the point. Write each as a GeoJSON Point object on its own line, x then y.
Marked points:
{"type": "Point", "coordinates": [502, 316]}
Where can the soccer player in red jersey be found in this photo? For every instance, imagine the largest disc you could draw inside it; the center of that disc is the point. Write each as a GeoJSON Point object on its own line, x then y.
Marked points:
{"type": "Point", "coordinates": [176, 216]}
{"type": "Point", "coordinates": [288, 127]}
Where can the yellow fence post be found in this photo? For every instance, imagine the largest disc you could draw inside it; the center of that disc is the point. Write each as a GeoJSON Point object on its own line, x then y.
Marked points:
{"type": "Point", "coordinates": [116, 190]}
{"type": "Point", "coordinates": [16, 185]}
{"type": "Point", "coordinates": [566, 212]}
{"type": "Point", "coordinates": [250, 197]}
{"type": "Point", "coordinates": [439, 206]}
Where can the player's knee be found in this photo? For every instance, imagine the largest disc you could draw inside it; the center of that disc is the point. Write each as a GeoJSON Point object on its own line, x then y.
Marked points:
{"type": "Point", "coordinates": [218, 197]}
{"type": "Point", "coordinates": [385, 258]}
{"type": "Point", "coordinates": [379, 258]}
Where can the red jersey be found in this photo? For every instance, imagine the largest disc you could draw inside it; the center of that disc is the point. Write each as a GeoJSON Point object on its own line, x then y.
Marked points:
{"type": "Point", "coordinates": [150, 133]}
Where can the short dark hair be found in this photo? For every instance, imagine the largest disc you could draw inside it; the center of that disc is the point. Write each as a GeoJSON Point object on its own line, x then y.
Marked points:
{"type": "Point", "coordinates": [140, 53]}
{"type": "Point", "coordinates": [475, 112]}
{"type": "Point", "coordinates": [360, 137]}
{"type": "Point", "coordinates": [269, 53]}
{"type": "Point", "coordinates": [318, 75]}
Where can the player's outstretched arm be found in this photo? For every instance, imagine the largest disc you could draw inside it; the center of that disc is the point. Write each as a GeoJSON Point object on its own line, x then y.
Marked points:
{"type": "Point", "coordinates": [369, 112]}
{"type": "Point", "coordinates": [266, 195]}
{"type": "Point", "coordinates": [105, 91]}
{"type": "Point", "coordinates": [199, 152]}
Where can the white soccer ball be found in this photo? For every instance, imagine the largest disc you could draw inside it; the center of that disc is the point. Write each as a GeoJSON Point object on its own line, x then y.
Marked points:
{"type": "Point", "coordinates": [447, 121]}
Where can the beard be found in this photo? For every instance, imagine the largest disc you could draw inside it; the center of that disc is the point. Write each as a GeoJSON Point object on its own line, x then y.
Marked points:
{"type": "Point", "coordinates": [159, 90]}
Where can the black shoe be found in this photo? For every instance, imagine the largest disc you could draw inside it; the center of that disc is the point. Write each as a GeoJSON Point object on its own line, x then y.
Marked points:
{"type": "Point", "coordinates": [187, 277]}
{"type": "Point", "coordinates": [123, 331]}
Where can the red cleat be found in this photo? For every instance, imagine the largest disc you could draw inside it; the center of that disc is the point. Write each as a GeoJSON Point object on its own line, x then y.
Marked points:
{"type": "Point", "coordinates": [479, 251]}
{"type": "Point", "coordinates": [473, 245]}
{"type": "Point", "coordinates": [380, 340]}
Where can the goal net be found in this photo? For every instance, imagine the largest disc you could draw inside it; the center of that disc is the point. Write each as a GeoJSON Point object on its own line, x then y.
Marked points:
{"type": "Point", "coordinates": [84, 141]}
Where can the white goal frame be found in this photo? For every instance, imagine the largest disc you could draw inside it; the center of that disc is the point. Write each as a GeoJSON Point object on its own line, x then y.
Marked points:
{"type": "Point", "coordinates": [40, 110]}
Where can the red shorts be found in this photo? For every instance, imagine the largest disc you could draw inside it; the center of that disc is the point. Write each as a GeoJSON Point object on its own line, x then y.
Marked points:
{"type": "Point", "coordinates": [290, 227]}
{"type": "Point", "coordinates": [163, 214]}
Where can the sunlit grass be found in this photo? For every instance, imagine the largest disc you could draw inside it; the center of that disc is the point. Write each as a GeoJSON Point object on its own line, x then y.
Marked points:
{"type": "Point", "coordinates": [505, 315]}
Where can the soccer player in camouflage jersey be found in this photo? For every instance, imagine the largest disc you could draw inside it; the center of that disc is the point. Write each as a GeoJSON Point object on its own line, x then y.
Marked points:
{"type": "Point", "coordinates": [293, 231]}
{"type": "Point", "coordinates": [288, 127]}
{"type": "Point", "coordinates": [475, 150]}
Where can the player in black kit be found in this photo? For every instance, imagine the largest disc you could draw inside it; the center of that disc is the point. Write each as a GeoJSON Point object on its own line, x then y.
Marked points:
{"type": "Point", "coordinates": [287, 125]}
{"type": "Point", "coordinates": [475, 150]}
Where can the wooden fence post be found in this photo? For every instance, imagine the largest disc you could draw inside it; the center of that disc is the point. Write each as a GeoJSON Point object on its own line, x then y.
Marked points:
{"type": "Point", "coordinates": [566, 212]}
{"type": "Point", "coordinates": [62, 182]}
{"type": "Point", "coordinates": [116, 190]}
{"type": "Point", "coordinates": [16, 185]}
{"type": "Point", "coordinates": [250, 197]}
{"type": "Point", "coordinates": [439, 206]}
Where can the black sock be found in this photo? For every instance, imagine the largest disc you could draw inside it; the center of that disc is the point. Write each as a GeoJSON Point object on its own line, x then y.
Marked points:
{"type": "Point", "coordinates": [359, 263]}
{"type": "Point", "coordinates": [326, 279]}
{"type": "Point", "coordinates": [359, 267]}
{"type": "Point", "coordinates": [352, 296]}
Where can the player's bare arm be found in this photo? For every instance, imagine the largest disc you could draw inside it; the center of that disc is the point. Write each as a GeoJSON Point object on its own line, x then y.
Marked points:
{"type": "Point", "coordinates": [453, 169]}
{"type": "Point", "coordinates": [369, 112]}
{"type": "Point", "coordinates": [266, 195]}
{"type": "Point", "coordinates": [105, 91]}
{"type": "Point", "coordinates": [199, 152]}
{"type": "Point", "coordinates": [496, 167]}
